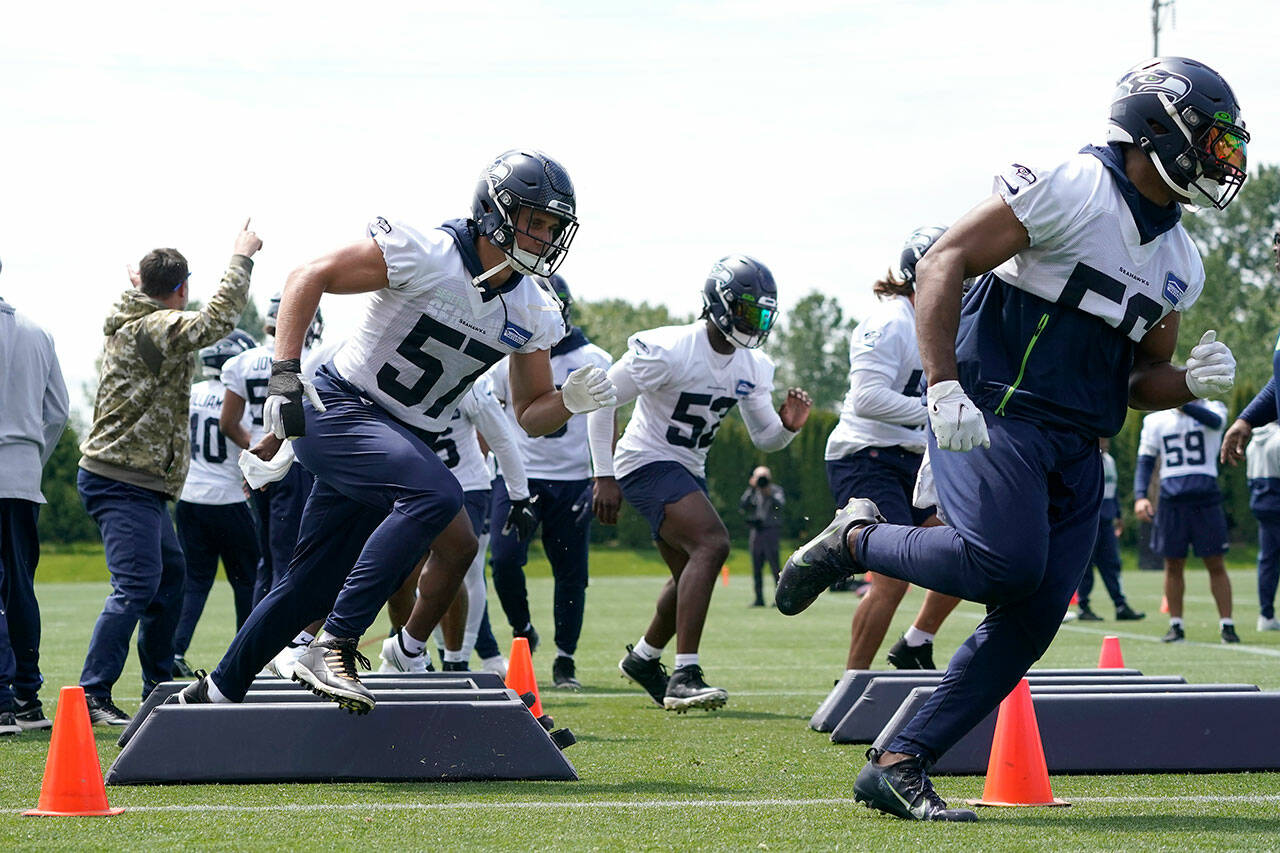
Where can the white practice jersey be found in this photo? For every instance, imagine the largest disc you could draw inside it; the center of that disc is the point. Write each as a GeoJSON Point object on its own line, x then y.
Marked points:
{"type": "Point", "coordinates": [457, 446]}
{"type": "Point", "coordinates": [686, 389]}
{"type": "Point", "coordinates": [1185, 446]}
{"type": "Point", "coordinates": [563, 454]}
{"type": "Point", "coordinates": [1262, 455]}
{"type": "Point", "coordinates": [428, 335]}
{"type": "Point", "coordinates": [1076, 210]}
{"type": "Point", "coordinates": [214, 476]}
{"type": "Point", "coordinates": [884, 378]}
{"type": "Point", "coordinates": [1110, 477]}
{"type": "Point", "coordinates": [320, 353]}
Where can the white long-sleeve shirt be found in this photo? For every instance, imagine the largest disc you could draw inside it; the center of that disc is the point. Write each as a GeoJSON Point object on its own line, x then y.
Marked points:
{"type": "Point", "coordinates": [33, 404]}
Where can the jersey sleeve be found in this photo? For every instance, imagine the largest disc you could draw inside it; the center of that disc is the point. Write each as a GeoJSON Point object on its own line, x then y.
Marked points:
{"type": "Point", "coordinates": [233, 376]}
{"type": "Point", "coordinates": [646, 361]}
{"type": "Point", "coordinates": [1046, 201]}
{"type": "Point", "coordinates": [877, 346]}
{"type": "Point", "coordinates": [408, 255]}
{"type": "Point", "coordinates": [1149, 441]}
{"type": "Point", "coordinates": [599, 357]}
{"type": "Point", "coordinates": [498, 382]}
{"type": "Point", "coordinates": [548, 329]}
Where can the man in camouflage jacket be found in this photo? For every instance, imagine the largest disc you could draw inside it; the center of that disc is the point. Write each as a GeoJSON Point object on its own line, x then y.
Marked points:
{"type": "Point", "coordinates": [135, 459]}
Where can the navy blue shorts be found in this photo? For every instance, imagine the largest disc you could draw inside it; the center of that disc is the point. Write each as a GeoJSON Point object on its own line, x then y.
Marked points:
{"type": "Point", "coordinates": [476, 504]}
{"type": "Point", "coordinates": [1202, 526]}
{"type": "Point", "coordinates": [886, 475]}
{"type": "Point", "coordinates": [651, 487]}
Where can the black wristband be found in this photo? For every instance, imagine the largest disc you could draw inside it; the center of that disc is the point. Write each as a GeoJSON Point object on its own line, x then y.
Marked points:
{"type": "Point", "coordinates": [288, 365]}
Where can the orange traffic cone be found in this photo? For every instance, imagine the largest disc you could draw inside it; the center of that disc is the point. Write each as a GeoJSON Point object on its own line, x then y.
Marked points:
{"type": "Point", "coordinates": [1016, 773]}
{"type": "Point", "coordinates": [1110, 657]}
{"type": "Point", "coordinates": [724, 574]}
{"type": "Point", "coordinates": [1164, 604]}
{"type": "Point", "coordinates": [520, 673]}
{"type": "Point", "coordinates": [72, 775]}
{"type": "Point", "coordinates": [1075, 598]}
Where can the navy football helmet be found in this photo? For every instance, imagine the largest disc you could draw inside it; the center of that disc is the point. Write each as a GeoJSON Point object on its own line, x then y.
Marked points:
{"type": "Point", "coordinates": [513, 189]}
{"type": "Point", "coordinates": [741, 299]}
{"type": "Point", "coordinates": [216, 354]}
{"type": "Point", "coordinates": [913, 250]}
{"type": "Point", "coordinates": [1185, 117]}
{"type": "Point", "coordinates": [314, 331]}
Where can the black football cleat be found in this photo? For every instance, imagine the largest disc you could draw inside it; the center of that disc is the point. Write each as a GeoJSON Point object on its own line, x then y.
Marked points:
{"type": "Point", "coordinates": [455, 666]}
{"type": "Point", "coordinates": [649, 674]}
{"type": "Point", "coordinates": [903, 790]}
{"type": "Point", "coordinates": [1229, 634]}
{"type": "Point", "coordinates": [902, 656]}
{"type": "Point", "coordinates": [182, 669]}
{"type": "Point", "coordinates": [564, 673]}
{"type": "Point", "coordinates": [686, 689]}
{"type": "Point", "coordinates": [328, 669]}
{"type": "Point", "coordinates": [1175, 635]}
{"type": "Point", "coordinates": [824, 559]}
{"type": "Point", "coordinates": [195, 693]}
{"type": "Point", "coordinates": [29, 715]}
{"type": "Point", "coordinates": [103, 712]}
{"type": "Point", "coordinates": [1125, 613]}
{"type": "Point", "coordinates": [1086, 614]}
{"type": "Point", "coordinates": [530, 633]}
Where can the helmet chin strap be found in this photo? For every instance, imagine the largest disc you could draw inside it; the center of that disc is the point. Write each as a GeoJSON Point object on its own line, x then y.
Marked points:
{"type": "Point", "coordinates": [478, 281]}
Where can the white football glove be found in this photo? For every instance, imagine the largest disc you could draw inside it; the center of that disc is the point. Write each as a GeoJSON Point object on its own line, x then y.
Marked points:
{"type": "Point", "coordinates": [957, 423]}
{"type": "Point", "coordinates": [588, 388]}
{"type": "Point", "coordinates": [1211, 368]}
{"type": "Point", "coordinates": [282, 412]}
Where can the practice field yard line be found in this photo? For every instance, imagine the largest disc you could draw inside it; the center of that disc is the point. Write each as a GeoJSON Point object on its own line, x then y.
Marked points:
{"type": "Point", "coordinates": [644, 804]}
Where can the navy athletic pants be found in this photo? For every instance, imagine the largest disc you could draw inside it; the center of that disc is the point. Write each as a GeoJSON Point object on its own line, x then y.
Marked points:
{"type": "Point", "coordinates": [381, 496]}
{"type": "Point", "coordinates": [147, 573]}
{"type": "Point", "coordinates": [1268, 564]}
{"type": "Point", "coordinates": [1024, 515]}
{"type": "Point", "coordinates": [279, 508]}
{"type": "Point", "coordinates": [564, 538]}
{"type": "Point", "coordinates": [209, 532]}
{"type": "Point", "coordinates": [1106, 556]}
{"type": "Point", "coordinates": [19, 610]}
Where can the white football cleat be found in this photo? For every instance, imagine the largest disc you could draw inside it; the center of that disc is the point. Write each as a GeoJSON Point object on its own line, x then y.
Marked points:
{"type": "Point", "coordinates": [496, 664]}
{"type": "Point", "coordinates": [1265, 624]}
{"type": "Point", "coordinates": [281, 665]}
{"type": "Point", "coordinates": [396, 659]}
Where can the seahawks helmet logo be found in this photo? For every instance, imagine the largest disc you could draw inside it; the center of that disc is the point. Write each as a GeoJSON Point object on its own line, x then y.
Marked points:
{"type": "Point", "coordinates": [721, 273]}
{"type": "Point", "coordinates": [498, 171]}
{"type": "Point", "coordinates": [1154, 82]}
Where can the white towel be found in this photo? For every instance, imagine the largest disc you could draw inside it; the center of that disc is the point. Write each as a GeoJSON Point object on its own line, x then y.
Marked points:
{"type": "Point", "coordinates": [257, 473]}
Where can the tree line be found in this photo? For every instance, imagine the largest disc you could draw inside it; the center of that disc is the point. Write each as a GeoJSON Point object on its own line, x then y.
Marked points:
{"type": "Point", "coordinates": [1241, 300]}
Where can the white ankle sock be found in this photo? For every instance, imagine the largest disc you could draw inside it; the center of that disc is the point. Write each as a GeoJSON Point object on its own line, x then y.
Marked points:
{"type": "Point", "coordinates": [324, 636]}
{"type": "Point", "coordinates": [1175, 620]}
{"type": "Point", "coordinates": [647, 651]}
{"type": "Point", "coordinates": [561, 653]}
{"type": "Point", "coordinates": [304, 638]}
{"type": "Point", "coordinates": [454, 656]}
{"type": "Point", "coordinates": [686, 660]}
{"type": "Point", "coordinates": [411, 644]}
{"type": "Point", "coordinates": [1222, 623]}
{"type": "Point", "coordinates": [915, 637]}
{"type": "Point", "coordinates": [215, 695]}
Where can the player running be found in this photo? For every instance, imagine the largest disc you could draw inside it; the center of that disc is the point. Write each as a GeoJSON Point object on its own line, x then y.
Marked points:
{"type": "Point", "coordinates": [1085, 272]}
{"type": "Point", "coordinates": [446, 305]}
{"type": "Point", "coordinates": [685, 379]}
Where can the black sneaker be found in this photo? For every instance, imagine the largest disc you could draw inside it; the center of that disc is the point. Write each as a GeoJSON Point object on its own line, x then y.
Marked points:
{"type": "Point", "coordinates": [530, 633]}
{"type": "Point", "coordinates": [328, 669]}
{"type": "Point", "coordinates": [1175, 635]}
{"type": "Point", "coordinates": [686, 689]}
{"type": "Point", "coordinates": [903, 656]}
{"type": "Point", "coordinates": [103, 712]}
{"type": "Point", "coordinates": [182, 669]}
{"type": "Point", "coordinates": [30, 715]}
{"type": "Point", "coordinates": [455, 666]}
{"type": "Point", "coordinates": [903, 790]}
{"type": "Point", "coordinates": [824, 559]}
{"type": "Point", "coordinates": [1125, 613]}
{"type": "Point", "coordinates": [564, 674]}
{"type": "Point", "coordinates": [9, 724]}
{"type": "Point", "coordinates": [1229, 634]}
{"type": "Point", "coordinates": [649, 674]}
{"type": "Point", "coordinates": [1086, 614]}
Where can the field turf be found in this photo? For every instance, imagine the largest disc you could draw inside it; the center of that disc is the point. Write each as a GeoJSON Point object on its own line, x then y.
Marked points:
{"type": "Point", "coordinates": [750, 776]}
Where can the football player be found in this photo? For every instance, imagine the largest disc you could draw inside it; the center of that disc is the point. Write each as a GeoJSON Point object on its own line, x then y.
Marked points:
{"type": "Point", "coordinates": [1106, 551]}
{"type": "Point", "coordinates": [1186, 441]}
{"type": "Point", "coordinates": [559, 468]}
{"type": "Point", "coordinates": [875, 451]}
{"type": "Point", "coordinates": [279, 504]}
{"type": "Point", "coordinates": [685, 380]}
{"type": "Point", "coordinates": [212, 516]}
{"type": "Point", "coordinates": [459, 449]}
{"type": "Point", "coordinates": [1085, 272]}
{"type": "Point", "coordinates": [446, 305]}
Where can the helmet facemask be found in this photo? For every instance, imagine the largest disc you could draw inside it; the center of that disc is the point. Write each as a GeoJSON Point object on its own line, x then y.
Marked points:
{"type": "Point", "coordinates": [1211, 168]}
{"type": "Point", "coordinates": [744, 319]}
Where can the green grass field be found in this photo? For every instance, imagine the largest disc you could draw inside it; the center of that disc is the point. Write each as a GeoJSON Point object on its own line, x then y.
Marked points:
{"type": "Point", "coordinates": [750, 776]}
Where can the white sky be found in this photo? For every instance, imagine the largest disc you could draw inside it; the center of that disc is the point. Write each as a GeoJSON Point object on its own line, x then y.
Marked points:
{"type": "Point", "coordinates": [814, 135]}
